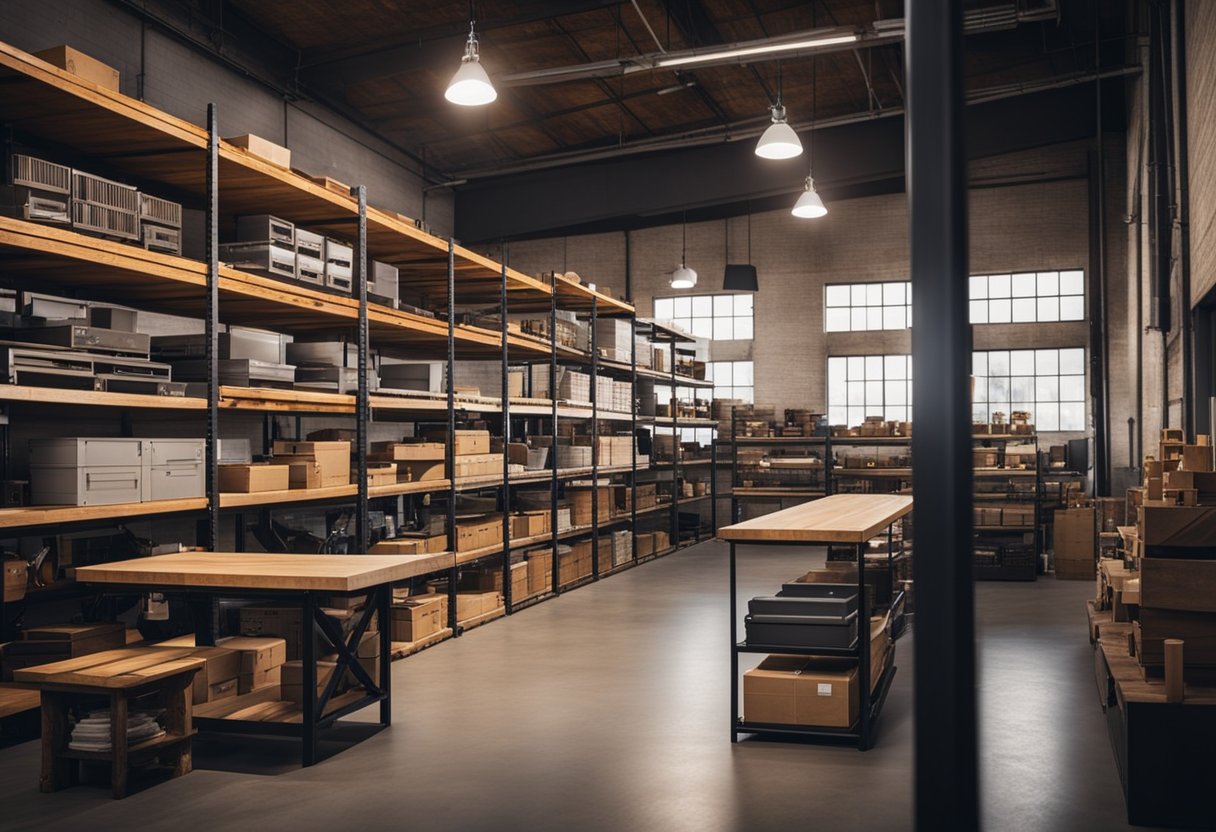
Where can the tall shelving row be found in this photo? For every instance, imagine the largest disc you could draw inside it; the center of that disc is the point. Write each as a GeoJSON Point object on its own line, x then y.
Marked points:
{"type": "Point", "coordinates": [44, 105]}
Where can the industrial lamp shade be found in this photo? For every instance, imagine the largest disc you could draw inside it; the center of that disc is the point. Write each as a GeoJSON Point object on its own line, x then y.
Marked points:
{"type": "Point", "coordinates": [740, 277]}
{"type": "Point", "coordinates": [779, 141]}
{"type": "Point", "coordinates": [470, 86]}
{"type": "Point", "coordinates": [683, 278]}
{"type": "Point", "coordinates": [809, 205]}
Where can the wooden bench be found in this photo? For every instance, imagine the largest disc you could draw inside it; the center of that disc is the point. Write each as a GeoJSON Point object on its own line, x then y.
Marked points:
{"type": "Point", "coordinates": [119, 676]}
{"type": "Point", "coordinates": [16, 700]}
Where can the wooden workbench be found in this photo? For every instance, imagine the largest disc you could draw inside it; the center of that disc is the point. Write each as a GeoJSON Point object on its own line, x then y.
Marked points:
{"type": "Point", "coordinates": [840, 518]}
{"type": "Point", "coordinates": [298, 580]}
{"type": "Point", "coordinates": [851, 519]}
{"type": "Point", "coordinates": [271, 572]}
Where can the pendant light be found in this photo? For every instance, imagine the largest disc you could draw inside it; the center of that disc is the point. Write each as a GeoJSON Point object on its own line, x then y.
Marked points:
{"type": "Point", "coordinates": [470, 86]}
{"type": "Point", "coordinates": [779, 141]}
{"type": "Point", "coordinates": [683, 277]}
{"type": "Point", "coordinates": [741, 277]}
{"type": "Point", "coordinates": [810, 205]}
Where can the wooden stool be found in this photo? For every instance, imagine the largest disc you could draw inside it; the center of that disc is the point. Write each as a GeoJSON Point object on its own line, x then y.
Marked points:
{"type": "Point", "coordinates": [118, 675]}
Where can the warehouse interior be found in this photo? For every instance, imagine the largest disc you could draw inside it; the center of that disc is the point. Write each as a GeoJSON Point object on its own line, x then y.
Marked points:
{"type": "Point", "coordinates": [411, 397]}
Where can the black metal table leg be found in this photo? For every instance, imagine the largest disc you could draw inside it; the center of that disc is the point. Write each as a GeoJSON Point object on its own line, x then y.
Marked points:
{"type": "Point", "coordinates": [863, 651]}
{"type": "Point", "coordinates": [734, 654]}
{"type": "Point", "coordinates": [309, 715]}
{"type": "Point", "coordinates": [385, 602]}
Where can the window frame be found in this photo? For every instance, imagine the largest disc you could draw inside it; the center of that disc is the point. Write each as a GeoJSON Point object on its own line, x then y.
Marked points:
{"type": "Point", "coordinates": [1047, 412]}
{"type": "Point", "coordinates": [726, 322]}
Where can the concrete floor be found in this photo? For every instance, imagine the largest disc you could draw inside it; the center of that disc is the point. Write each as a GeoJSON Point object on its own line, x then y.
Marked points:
{"type": "Point", "coordinates": [608, 710]}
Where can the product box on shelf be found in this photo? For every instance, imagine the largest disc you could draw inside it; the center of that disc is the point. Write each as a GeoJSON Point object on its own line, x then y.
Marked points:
{"type": "Point", "coordinates": [406, 451]}
{"type": "Point", "coordinates": [332, 459]}
{"type": "Point", "coordinates": [540, 570]}
{"type": "Point", "coordinates": [256, 477]}
{"type": "Point", "coordinates": [263, 149]}
{"type": "Point", "coordinates": [418, 617]}
{"type": "Point", "coordinates": [81, 65]}
{"type": "Point", "coordinates": [292, 679]}
{"type": "Point", "coordinates": [468, 442]}
{"type": "Point", "coordinates": [174, 469]}
{"type": "Point", "coordinates": [411, 544]}
{"type": "Point", "coordinates": [86, 472]}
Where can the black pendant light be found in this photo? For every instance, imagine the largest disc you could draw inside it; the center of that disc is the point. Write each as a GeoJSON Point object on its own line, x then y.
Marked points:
{"type": "Point", "coordinates": [741, 277]}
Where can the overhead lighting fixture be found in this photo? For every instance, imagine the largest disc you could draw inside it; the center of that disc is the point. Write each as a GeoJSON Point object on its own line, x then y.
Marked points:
{"type": "Point", "coordinates": [779, 141]}
{"type": "Point", "coordinates": [740, 277]}
{"type": "Point", "coordinates": [470, 86]}
{"type": "Point", "coordinates": [683, 277]}
{"type": "Point", "coordinates": [757, 49]}
{"type": "Point", "coordinates": [809, 205]}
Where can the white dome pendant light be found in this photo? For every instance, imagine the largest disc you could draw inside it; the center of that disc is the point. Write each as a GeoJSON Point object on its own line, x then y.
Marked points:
{"type": "Point", "coordinates": [683, 277]}
{"type": "Point", "coordinates": [779, 141]}
{"type": "Point", "coordinates": [810, 205]}
{"type": "Point", "coordinates": [470, 86]}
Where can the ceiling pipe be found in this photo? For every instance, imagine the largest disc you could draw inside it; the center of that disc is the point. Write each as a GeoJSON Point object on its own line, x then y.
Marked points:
{"type": "Point", "coordinates": [797, 44]}
{"type": "Point", "coordinates": [751, 128]}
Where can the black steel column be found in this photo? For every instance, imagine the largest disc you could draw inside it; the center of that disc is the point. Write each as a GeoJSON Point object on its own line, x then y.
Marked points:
{"type": "Point", "coordinates": [362, 403]}
{"type": "Point", "coordinates": [735, 514]}
{"type": "Point", "coordinates": [506, 441]}
{"type": "Point", "coordinates": [595, 447]}
{"type": "Point", "coordinates": [633, 424]}
{"type": "Point", "coordinates": [673, 405]}
{"type": "Point", "coordinates": [553, 424]}
{"type": "Point", "coordinates": [713, 487]}
{"type": "Point", "coordinates": [211, 324]}
{"type": "Point", "coordinates": [450, 457]}
{"type": "Point", "coordinates": [945, 710]}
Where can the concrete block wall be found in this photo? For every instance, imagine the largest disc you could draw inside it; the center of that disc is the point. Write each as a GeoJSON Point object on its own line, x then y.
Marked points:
{"type": "Point", "coordinates": [1028, 211]}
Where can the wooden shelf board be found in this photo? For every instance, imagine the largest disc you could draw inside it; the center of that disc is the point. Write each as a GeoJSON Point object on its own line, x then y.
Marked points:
{"type": "Point", "coordinates": [50, 515]}
{"type": "Point", "coordinates": [146, 748]}
{"type": "Point", "coordinates": [96, 398]}
{"type": "Point", "coordinates": [264, 705]}
{"type": "Point", "coordinates": [401, 649]}
{"type": "Point", "coordinates": [484, 618]}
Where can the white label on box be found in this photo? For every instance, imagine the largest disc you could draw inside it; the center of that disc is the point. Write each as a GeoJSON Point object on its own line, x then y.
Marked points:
{"type": "Point", "coordinates": [825, 688]}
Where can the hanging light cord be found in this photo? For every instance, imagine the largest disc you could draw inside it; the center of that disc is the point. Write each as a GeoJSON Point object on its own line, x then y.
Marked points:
{"type": "Point", "coordinates": [646, 23]}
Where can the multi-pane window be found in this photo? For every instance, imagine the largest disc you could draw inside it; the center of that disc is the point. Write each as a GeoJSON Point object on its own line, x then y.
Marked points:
{"type": "Point", "coordinates": [1050, 384]}
{"type": "Point", "coordinates": [1028, 297]}
{"type": "Point", "coordinates": [869, 385]}
{"type": "Point", "coordinates": [717, 317]}
{"type": "Point", "coordinates": [856, 307]}
{"type": "Point", "coordinates": [732, 379]}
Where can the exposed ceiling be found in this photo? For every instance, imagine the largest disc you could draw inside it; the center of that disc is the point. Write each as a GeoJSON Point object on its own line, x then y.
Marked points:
{"type": "Point", "coordinates": [388, 62]}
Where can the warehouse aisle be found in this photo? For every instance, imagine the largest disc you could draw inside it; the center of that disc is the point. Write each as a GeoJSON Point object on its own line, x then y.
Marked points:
{"type": "Point", "coordinates": [608, 710]}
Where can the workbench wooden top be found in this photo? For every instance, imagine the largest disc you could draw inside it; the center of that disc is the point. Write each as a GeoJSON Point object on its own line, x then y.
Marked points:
{"type": "Point", "coordinates": [112, 669]}
{"type": "Point", "coordinates": [230, 570]}
{"type": "Point", "coordinates": [840, 518]}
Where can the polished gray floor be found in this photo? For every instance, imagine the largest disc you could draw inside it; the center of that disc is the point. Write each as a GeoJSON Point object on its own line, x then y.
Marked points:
{"type": "Point", "coordinates": [608, 710]}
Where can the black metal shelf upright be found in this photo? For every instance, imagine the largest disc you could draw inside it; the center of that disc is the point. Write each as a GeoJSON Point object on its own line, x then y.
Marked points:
{"type": "Point", "coordinates": [595, 441]}
{"type": "Point", "coordinates": [508, 600]}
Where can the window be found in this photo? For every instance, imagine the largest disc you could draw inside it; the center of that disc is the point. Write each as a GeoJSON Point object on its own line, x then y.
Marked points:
{"type": "Point", "coordinates": [1050, 384]}
{"type": "Point", "coordinates": [869, 385]}
{"type": "Point", "coordinates": [732, 379]}
{"type": "Point", "coordinates": [1028, 297]}
{"type": "Point", "coordinates": [856, 307]}
{"type": "Point", "coordinates": [717, 317]}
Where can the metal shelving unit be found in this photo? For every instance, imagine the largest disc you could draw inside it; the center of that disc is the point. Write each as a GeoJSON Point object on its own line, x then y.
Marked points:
{"type": "Point", "coordinates": [194, 163]}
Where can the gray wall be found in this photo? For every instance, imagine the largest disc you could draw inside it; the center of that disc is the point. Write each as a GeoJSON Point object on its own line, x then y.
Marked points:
{"type": "Point", "coordinates": [1028, 211]}
{"type": "Point", "coordinates": [181, 80]}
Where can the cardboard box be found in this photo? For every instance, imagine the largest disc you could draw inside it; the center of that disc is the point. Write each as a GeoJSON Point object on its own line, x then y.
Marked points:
{"type": "Point", "coordinates": [248, 682]}
{"type": "Point", "coordinates": [476, 534]}
{"type": "Point", "coordinates": [221, 690]}
{"type": "Point", "coordinates": [263, 149]}
{"type": "Point", "coordinates": [333, 458]}
{"type": "Point", "coordinates": [418, 617]}
{"type": "Point", "coordinates": [420, 471]}
{"type": "Point", "coordinates": [413, 545]}
{"type": "Point", "coordinates": [303, 471]}
{"type": "Point", "coordinates": [81, 65]}
{"type": "Point", "coordinates": [467, 441]}
{"type": "Point", "coordinates": [381, 475]}
{"type": "Point", "coordinates": [792, 690]}
{"type": "Point", "coordinates": [530, 524]}
{"type": "Point", "coordinates": [470, 605]}
{"type": "Point", "coordinates": [1196, 458]}
{"type": "Point", "coordinates": [256, 653]}
{"type": "Point", "coordinates": [258, 477]}
{"type": "Point", "coordinates": [406, 451]}
{"type": "Point", "coordinates": [1177, 584]}
{"type": "Point", "coordinates": [220, 666]}
{"type": "Point", "coordinates": [1074, 537]}
{"type": "Point", "coordinates": [293, 679]}
{"type": "Point", "coordinates": [540, 571]}
{"type": "Point", "coordinates": [1191, 526]}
